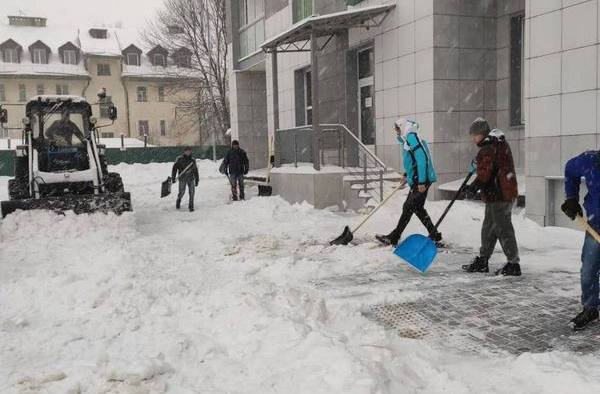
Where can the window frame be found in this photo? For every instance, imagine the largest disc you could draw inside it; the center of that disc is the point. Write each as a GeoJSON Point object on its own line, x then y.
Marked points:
{"type": "Point", "coordinates": [146, 125]}
{"type": "Point", "coordinates": [137, 59]}
{"type": "Point", "coordinates": [2, 92]}
{"type": "Point", "coordinates": [249, 26]}
{"type": "Point", "coordinates": [62, 89]}
{"type": "Point", "coordinates": [39, 56]}
{"type": "Point", "coordinates": [162, 63]}
{"type": "Point", "coordinates": [142, 94]}
{"type": "Point", "coordinates": [308, 105]}
{"type": "Point", "coordinates": [302, 9]}
{"type": "Point", "coordinates": [12, 59]}
{"type": "Point", "coordinates": [22, 93]}
{"type": "Point", "coordinates": [106, 70]}
{"type": "Point", "coordinates": [69, 54]}
{"type": "Point", "coordinates": [40, 89]}
{"type": "Point", "coordinates": [161, 94]}
{"type": "Point", "coordinates": [163, 128]}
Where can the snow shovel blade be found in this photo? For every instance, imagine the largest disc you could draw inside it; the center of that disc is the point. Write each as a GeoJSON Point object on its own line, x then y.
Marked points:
{"type": "Point", "coordinates": [418, 251]}
{"type": "Point", "coordinates": [343, 239]}
{"type": "Point", "coordinates": [165, 189]}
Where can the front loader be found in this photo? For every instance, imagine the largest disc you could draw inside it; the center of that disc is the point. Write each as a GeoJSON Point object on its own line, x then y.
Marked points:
{"type": "Point", "coordinates": [60, 164]}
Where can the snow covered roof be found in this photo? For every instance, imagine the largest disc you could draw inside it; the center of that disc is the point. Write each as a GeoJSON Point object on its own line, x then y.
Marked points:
{"type": "Point", "coordinates": [116, 42]}
{"type": "Point", "coordinates": [53, 38]}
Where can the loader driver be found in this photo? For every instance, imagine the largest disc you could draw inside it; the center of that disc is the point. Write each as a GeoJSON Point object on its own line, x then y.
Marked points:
{"type": "Point", "coordinates": [61, 132]}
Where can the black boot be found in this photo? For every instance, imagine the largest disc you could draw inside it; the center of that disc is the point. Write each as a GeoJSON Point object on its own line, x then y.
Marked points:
{"type": "Point", "coordinates": [178, 204]}
{"type": "Point", "coordinates": [587, 316]}
{"type": "Point", "coordinates": [479, 264]}
{"type": "Point", "coordinates": [385, 240]}
{"type": "Point", "coordinates": [510, 269]}
{"type": "Point", "coordinates": [436, 237]}
{"type": "Point", "coordinates": [191, 207]}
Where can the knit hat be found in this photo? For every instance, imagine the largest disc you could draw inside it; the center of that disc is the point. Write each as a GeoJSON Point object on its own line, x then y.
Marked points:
{"type": "Point", "coordinates": [479, 126]}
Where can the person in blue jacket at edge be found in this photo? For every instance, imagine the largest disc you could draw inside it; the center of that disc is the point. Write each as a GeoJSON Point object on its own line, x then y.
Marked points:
{"type": "Point", "coordinates": [419, 174]}
{"type": "Point", "coordinates": [586, 165]}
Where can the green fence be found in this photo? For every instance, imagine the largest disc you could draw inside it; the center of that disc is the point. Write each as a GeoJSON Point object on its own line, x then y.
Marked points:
{"type": "Point", "coordinates": [161, 154]}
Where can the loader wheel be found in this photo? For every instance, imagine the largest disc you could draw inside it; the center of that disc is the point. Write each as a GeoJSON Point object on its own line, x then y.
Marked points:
{"type": "Point", "coordinates": [113, 183]}
{"type": "Point", "coordinates": [17, 189]}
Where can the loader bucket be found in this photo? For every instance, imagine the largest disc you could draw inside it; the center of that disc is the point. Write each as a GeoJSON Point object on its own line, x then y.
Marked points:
{"type": "Point", "coordinates": [108, 202]}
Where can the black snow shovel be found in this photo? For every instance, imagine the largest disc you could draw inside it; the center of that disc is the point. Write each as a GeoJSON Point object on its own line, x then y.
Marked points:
{"type": "Point", "coordinates": [348, 235]}
{"type": "Point", "coordinates": [165, 188]}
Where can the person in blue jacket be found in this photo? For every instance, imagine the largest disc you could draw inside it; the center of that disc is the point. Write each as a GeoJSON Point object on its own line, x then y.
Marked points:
{"type": "Point", "coordinates": [586, 165]}
{"type": "Point", "coordinates": [419, 175]}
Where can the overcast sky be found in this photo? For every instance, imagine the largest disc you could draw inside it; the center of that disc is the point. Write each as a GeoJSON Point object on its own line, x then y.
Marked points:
{"type": "Point", "coordinates": [131, 13]}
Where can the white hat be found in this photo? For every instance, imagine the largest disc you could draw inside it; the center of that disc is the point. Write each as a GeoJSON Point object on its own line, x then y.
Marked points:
{"type": "Point", "coordinates": [407, 125]}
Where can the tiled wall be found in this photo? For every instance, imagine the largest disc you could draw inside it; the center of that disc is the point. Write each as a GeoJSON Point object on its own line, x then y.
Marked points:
{"type": "Point", "coordinates": [562, 56]}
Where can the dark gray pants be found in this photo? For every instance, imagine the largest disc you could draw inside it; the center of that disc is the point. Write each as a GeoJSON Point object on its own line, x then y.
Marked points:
{"type": "Point", "coordinates": [189, 183]}
{"type": "Point", "coordinates": [497, 226]}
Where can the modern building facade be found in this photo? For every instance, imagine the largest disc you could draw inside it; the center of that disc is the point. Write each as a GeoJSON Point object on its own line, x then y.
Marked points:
{"type": "Point", "coordinates": [442, 62]}
{"type": "Point", "coordinates": [37, 58]}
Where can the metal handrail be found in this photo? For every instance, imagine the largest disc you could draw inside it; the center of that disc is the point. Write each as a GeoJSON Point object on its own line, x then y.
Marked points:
{"type": "Point", "coordinates": [359, 142]}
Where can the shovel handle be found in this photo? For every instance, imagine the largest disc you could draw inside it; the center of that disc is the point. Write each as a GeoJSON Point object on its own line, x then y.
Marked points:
{"type": "Point", "coordinates": [588, 228]}
{"type": "Point", "coordinates": [381, 204]}
{"type": "Point", "coordinates": [456, 195]}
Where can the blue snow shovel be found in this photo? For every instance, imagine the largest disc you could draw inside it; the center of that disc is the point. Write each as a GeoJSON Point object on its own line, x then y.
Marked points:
{"type": "Point", "coordinates": [418, 250]}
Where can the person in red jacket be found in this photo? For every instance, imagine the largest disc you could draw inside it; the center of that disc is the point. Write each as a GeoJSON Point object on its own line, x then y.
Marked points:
{"type": "Point", "coordinates": [497, 181]}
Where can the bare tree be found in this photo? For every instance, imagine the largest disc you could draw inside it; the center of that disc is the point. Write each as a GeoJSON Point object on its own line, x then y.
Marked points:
{"type": "Point", "coordinates": [202, 85]}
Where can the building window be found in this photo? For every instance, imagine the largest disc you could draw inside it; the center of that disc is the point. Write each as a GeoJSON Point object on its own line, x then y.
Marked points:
{"type": "Point", "coordinates": [69, 56]}
{"type": "Point", "coordinates": [159, 59]}
{"type": "Point", "coordinates": [10, 55]}
{"type": "Point", "coordinates": [108, 135]}
{"type": "Point", "coordinates": [183, 58]}
{"type": "Point", "coordinates": [163, 128]}
{"type": "Point", "coordinates": [105, 107]}
{"type": "Point", "coordinates": [143, 128]}
{"type": "Point", "coordinates": [62, 89]}
{"type": "Point", "coordinates": [353, 2]}
{"type": "Point", "coordinates": [39, 56]}
{"type": "Point", "coordinates": [103, 69]}
{"type": "Point", "coordinates": [142, 94]}
{"type": "Point", "coordinates": [132, 59]}
{"type": "Point", "coordinates": [99, 33]}
{"type": "Point", "coordinates": [252, 26]}
{"type": "Point", "coordinates": [22, 93]}
{"type": "Point", "coordinates": [517, 24]}
{"type": "Point", "coordinates": [308, 97]}
{"type": "Point", "coordinates": [40, 89]}
{"type": "Point", "coordinates": [161, 93]}
{"type": "Point", "coordinates": [302, 9]}
{"type": "Point", "coordinates": [2, 93]}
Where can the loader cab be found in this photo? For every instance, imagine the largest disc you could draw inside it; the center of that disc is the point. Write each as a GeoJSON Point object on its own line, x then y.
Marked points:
{"type": "Point", "coordinates": [60, 128]}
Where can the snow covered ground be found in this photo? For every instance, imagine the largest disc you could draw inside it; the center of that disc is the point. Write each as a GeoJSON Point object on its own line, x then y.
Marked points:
{"type": "Point", "coordinates": [223, 300]}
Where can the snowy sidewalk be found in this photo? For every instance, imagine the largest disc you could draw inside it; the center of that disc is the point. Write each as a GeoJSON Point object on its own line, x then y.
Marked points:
{"type": "Point", "coordinates": [249, 298]}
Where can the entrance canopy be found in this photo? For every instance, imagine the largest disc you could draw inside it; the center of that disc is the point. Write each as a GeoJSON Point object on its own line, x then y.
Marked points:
{"type": "Point", "coordinates": [297, 38]}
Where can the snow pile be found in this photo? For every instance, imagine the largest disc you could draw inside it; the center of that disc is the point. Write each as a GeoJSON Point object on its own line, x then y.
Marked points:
{"type": "Point", "coordinates": [226, 300]}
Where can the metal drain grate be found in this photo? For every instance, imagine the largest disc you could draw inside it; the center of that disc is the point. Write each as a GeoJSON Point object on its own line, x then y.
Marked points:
{"type": "Point", "coordinates": [506, 316]}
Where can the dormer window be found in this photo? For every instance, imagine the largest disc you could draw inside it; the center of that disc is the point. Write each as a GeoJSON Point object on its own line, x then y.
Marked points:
{"type": "Point", "coordinates": [11, 51]}
{"type": "Point", "coordinates": [10, 55]}
{"type": "Point", "coordinates": [132, 55]}
{"type": "Point", "coordinates": [133, 59]}
{"type": "Point", "coordinates": [183, 58]}
{"type": "Point", "coordinates": [39, 56]}
{"type": "Point", "coordinates": [158, 56]}
{"type": "Point", "coordinates": [159, 60]}
{"type": "Point", "coordinates": [99, 33]}
{"type": "Point", "coordinates": [69, 53]}
{"type": "Point", "coordinates": [40, 52]}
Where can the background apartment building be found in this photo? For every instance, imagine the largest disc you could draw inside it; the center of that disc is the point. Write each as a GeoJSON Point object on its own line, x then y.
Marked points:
{"type": "Point", "coordinates": [36, 58]}
{"type": "Point", "coordinates": [530, 67]}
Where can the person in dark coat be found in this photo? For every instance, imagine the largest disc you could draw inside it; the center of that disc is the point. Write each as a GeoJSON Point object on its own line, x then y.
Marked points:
{"type": "Point", "coordinates": [497, 181]}
{"type": "Point", "coordinates": [235, 165]}
{"type": "Point", "coordinates": [185, 167]}
{"type": "Point", "coordinates": [61, 132]}
{"type": "Point", "coordinates": [586, 165]}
